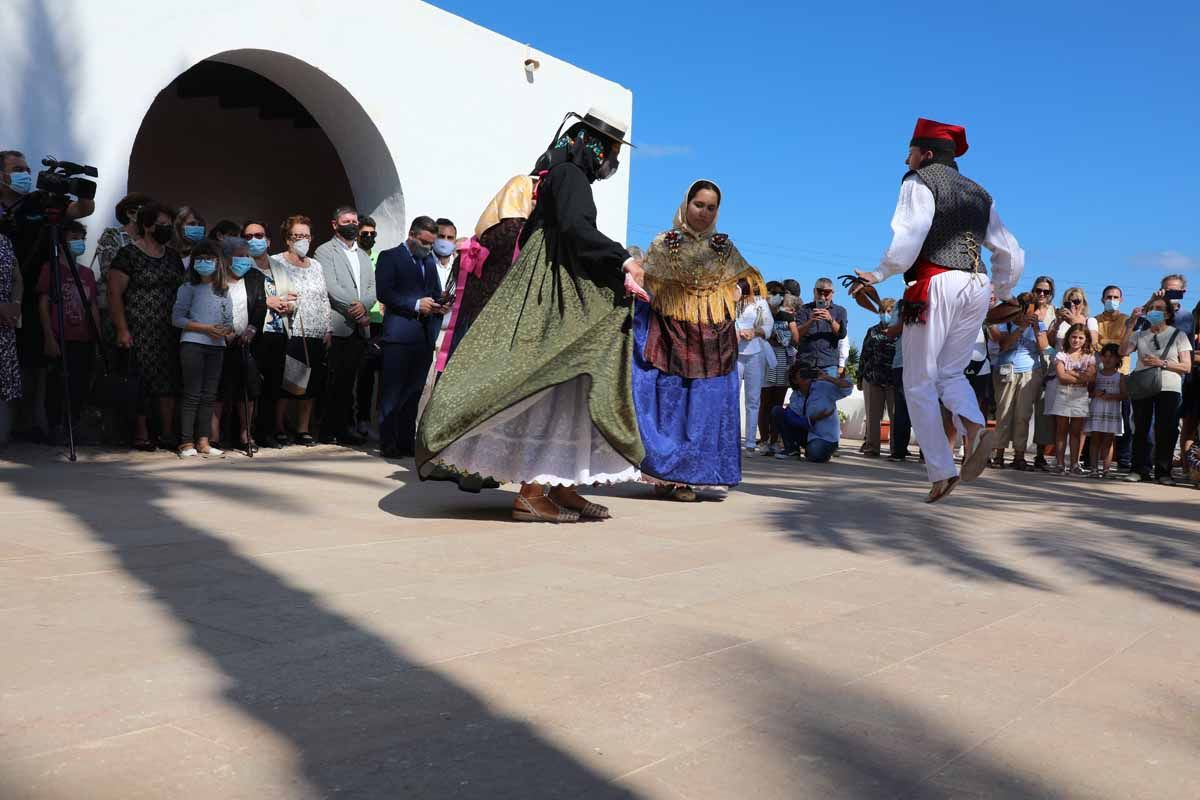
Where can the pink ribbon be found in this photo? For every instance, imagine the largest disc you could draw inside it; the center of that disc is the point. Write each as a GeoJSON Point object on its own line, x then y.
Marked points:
{"type": "Point", "coordinates": [471, 257]}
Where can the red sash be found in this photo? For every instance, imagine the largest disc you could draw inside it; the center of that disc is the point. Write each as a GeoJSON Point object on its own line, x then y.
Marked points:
{"type": "Point", "coordinates": [916, 297]}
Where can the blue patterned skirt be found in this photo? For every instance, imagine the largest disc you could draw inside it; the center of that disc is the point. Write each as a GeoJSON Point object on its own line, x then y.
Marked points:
{"type": "Point", "coordinates": [690, 427]}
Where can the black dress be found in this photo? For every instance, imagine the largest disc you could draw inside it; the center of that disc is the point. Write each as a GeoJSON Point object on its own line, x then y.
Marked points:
{"type": "Point", "coordinates": [149, 297]}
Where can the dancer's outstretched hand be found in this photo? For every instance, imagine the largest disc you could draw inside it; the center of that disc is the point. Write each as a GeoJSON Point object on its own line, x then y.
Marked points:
{"type": "Point", "coordinates": [867, 277]}
{"type": "Point", "coordinates": [634, 278]}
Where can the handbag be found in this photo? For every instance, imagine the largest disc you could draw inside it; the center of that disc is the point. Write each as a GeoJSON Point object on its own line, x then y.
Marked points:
{"type": "Point", "coordinates": [1147, 382]}
{"type": "Point", "coordinates": [296, 369]}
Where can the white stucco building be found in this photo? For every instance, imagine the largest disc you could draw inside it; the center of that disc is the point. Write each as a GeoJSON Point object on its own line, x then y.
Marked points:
{"type": "Point", "coordinates": [259, 109]}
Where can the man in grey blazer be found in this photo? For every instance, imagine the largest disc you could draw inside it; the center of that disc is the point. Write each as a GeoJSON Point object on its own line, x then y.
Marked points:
{"type": "Point", "coordinates": [350, 279]}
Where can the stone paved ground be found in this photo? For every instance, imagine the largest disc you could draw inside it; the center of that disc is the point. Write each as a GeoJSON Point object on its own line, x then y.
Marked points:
{"type": "Point", "coordinates": [317, 624]}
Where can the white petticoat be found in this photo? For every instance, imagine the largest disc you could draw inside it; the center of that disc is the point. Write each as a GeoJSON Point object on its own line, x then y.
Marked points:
{"type": "Point", "coordinates": [548, 438]}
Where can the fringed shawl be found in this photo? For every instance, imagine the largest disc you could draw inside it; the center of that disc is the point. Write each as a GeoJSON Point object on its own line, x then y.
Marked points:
{"type": "Point", "coordinates": [693, 276]}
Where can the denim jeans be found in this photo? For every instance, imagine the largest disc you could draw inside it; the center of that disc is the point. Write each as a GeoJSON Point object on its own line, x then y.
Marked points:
{"type": "Point", "coordinates": [793, 428]}
{"type": "Point", "coordinates": [901, 425]}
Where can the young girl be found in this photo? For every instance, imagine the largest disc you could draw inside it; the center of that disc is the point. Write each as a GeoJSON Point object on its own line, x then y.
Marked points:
{"type": "Point", "coordinates": [1104, 419]}
{"type": "Point", "coordinates": [204, 310]}
{"type": "Point", "coordinates": [1076, 368]}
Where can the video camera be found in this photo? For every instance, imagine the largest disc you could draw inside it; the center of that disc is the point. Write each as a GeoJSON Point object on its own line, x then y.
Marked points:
{"type": "Point", "coordinates": [60, 178]}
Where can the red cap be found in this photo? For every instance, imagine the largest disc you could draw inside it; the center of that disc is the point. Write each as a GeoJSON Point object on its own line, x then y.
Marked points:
{"type": "Point", "coordinates": [928, 129]}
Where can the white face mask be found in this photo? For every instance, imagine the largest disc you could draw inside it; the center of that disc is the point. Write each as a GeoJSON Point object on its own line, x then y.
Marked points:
{"type": "Point", "coordinates": [300, 247]}
{"type": "Point", "coordinates": [775, 300]}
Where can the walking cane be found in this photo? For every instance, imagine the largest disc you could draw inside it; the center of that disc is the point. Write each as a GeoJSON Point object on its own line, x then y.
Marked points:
{"type": "Point", "coordinates": [246, 401]}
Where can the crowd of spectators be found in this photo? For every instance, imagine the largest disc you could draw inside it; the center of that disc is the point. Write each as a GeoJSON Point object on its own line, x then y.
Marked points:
{"type": "Point", "coordinates": [197, 338]}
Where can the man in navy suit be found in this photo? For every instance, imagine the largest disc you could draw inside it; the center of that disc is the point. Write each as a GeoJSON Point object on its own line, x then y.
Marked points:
{"type": "Point", "coordinates": [407, 284]}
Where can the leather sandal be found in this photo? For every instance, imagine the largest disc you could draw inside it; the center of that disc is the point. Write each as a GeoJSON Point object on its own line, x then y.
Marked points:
{"type": "Point", "coordinates": [525, 511]}
{"type": "Point", "coordinates": [941, 490]}
{"type": "Point", "coordinates": [589, 511]}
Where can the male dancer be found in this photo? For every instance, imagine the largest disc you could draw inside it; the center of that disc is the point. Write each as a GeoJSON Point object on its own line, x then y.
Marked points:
{"type": "Point", "coordinates": [941, 221]}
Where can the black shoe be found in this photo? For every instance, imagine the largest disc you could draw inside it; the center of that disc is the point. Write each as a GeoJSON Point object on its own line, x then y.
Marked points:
{"type": "Point", "coordinates": [330, 439]}
{"type": "Point", "coordinates": [1165, 480]}
{"type": "Point", "coordinates": [351, 438]}
{"type": "Point", "coordinates": [898, 458]}
{"type": "Point", "coordinates": [280, 440]}
{"type": "Point", "coordinates": [305, 439]}
{"type": "Point", "coordinates": [249, 447]}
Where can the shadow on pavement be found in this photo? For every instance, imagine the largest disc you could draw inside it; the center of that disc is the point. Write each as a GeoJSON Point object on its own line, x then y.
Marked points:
{"type": "Point", "coordinates": [1106, 534]}
{"type": "Point", "coordinates": [362, 718]}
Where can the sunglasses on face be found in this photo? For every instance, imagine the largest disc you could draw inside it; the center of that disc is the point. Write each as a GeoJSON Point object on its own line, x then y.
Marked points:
{"type": "Point", "coordinates": [1074, 301]}
{"type": "Point", "coordinates": [254, 236]}
{"type": "Point", "coordinates": [1043, 292]}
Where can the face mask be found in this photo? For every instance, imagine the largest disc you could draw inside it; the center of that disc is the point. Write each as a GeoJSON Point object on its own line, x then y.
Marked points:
{"type": "Point", "coordinates": [366, 240]}
{"type": "Point", "coordinates": [1112, 305]}
{"type": "Point", "coordinates": [204, 266]}
{"type": "Point", "coordinates": [443, 248]}
{"type": "Point", "coordinates": [241, 265]}
{"type": "Point", "coordinates": [21, 182]}
{"type": "Point", "coordinates": [417, 249]}
{"type": "Point", "coordinates": [775, 300]}
{"type": "Point", "coordinates": [193, 233]}
{"type": "Point", "coordinates": [1156, 317]}
{"type": "Point", "coordinates": [76, 247]}
{"type": "Point", "coordinates": [608, 169]}
{"type": "Point", "coordinates": [300, 247]}
{"type": "Point", "coordinates": [162, 233]}
{"type": "Point", "coordinates": [258, 247]}
{"type": "Point", "coordinates": [885, 318]}
{"type": "Point", "coordinates": [347, 232]}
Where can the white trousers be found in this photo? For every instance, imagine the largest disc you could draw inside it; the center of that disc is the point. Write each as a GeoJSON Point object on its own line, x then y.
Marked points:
{"type": "Point", "coordinates": [752, 372]}
{"type": "Point", "coordinates": [935, 355]}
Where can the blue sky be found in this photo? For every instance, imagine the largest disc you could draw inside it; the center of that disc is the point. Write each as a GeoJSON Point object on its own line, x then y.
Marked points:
{"type": "Point", "coordinates": [1083, 119]}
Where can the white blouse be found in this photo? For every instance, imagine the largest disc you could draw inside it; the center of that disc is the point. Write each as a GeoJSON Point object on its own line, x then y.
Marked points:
{"type": "Point", "coordinates": [911, 223]}
{"type": "Point", "coordinates": [755, 316]}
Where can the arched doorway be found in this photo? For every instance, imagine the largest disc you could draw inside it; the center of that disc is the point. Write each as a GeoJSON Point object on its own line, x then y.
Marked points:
{"type": "Point", "coordinates": [254, 134]}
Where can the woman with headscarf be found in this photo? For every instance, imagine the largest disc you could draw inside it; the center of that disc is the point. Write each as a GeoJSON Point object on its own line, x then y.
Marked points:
{"type": "Point", "coordinates": [540, 390]}
{"type": "Point", "coordinates": [685, 377]}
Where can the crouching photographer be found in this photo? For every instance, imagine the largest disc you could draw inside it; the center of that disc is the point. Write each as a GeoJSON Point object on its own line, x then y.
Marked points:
{"type": "Point", "coordinates": [810, 421]}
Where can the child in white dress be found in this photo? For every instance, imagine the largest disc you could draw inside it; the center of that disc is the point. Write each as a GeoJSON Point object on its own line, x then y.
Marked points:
{"type": "Point", "coordinates": [1076, 368]}
{"type": "Point", "coordinates": [1104, 418]}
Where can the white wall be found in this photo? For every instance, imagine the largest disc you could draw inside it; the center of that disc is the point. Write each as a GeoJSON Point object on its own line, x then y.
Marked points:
{"type": "Point", "coordinates": [84, 97]}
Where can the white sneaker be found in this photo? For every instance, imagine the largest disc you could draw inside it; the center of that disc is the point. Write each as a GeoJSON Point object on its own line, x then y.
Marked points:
{"type": "Point", "coordinates": [189, 452]}
{"type": "Point", "coordinates": [750, 449]}
{"type": "Point", "coordinates": [213, 452]}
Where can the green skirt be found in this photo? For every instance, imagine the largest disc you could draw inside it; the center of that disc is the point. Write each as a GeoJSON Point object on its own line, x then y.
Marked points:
{"type": "Point", "coordinates": [541, 388]}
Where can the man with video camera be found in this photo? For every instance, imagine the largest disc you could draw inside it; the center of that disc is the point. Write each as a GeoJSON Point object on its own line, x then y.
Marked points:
{"type": "Point", "coordinates": [27, 202]}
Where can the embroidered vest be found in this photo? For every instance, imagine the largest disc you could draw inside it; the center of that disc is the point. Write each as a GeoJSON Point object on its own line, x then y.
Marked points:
{"type": "Point", "coordinates": [962, 209]}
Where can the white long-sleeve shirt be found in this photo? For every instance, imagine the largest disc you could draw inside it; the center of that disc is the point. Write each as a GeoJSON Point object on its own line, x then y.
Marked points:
{"type": "Point", "coordinates": [911, 224]}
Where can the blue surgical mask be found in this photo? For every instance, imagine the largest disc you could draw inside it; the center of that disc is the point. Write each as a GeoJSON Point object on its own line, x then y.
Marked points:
{"type": "Point", "coordinates": [443, 248]}
{"type": "Point", "coordinates": [21, 182]}
{"type": "Point", "coordinates": [193, 233]}
{"type": "Point", "coordinates": [258, 247]}
{"type": "Point", "coordinates": [204, 266]}
{"type": "Point", "coordinates": [885, 317]}
{"type": "Point", "coordinates": [77, 246]}
{"type": "Point", "coordinates": [241, 265]}
{"type": "Point", "coordinates": [1112, 305]}
{"type": "Point", "coordinates": [1156, 317]}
